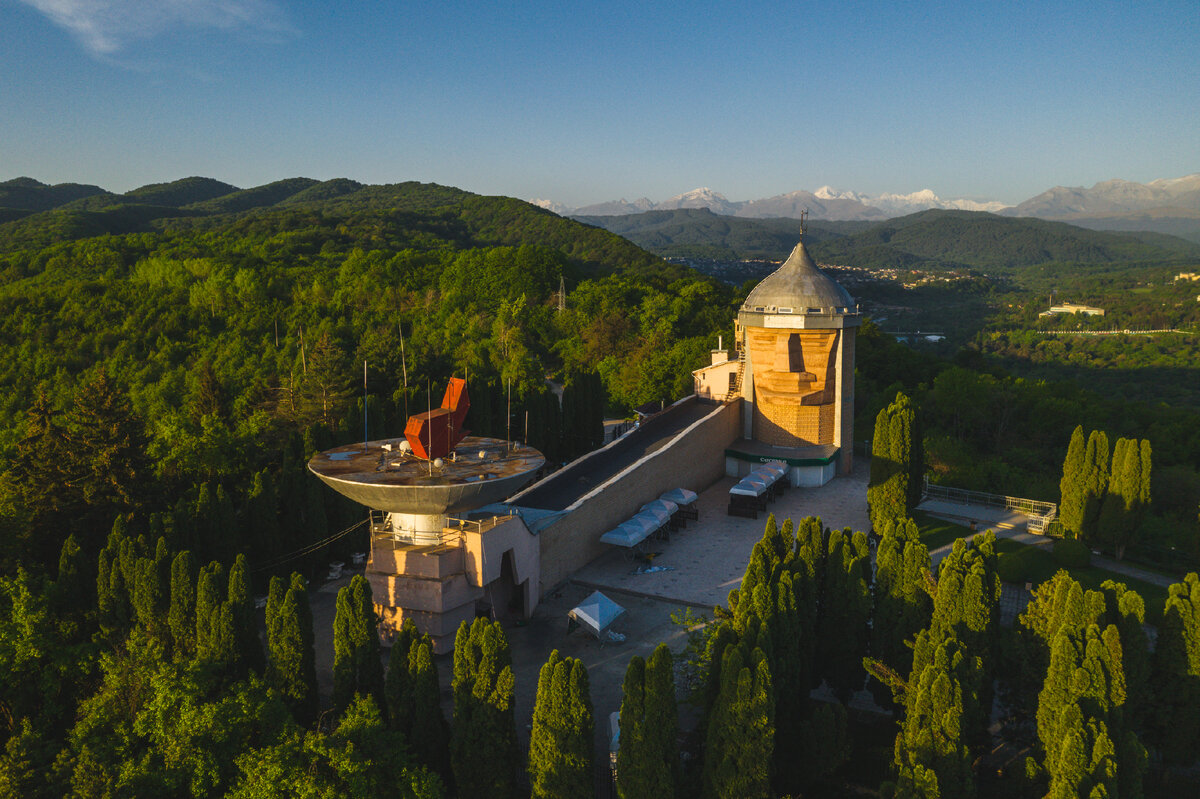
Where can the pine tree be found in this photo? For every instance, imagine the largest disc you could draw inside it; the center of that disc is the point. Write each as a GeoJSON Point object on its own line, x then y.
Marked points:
{"type": "Point", "coordinates": [560, 742]}
{"type": "Point", "coordinates": [181, 615]}
{"type": "Point", "coordinates": [115, 477]}
{"type": "Point", "coordinates": [40, 481]}
{"type": "Point", "coordinates": [1071, 487]}
{"type": "Point", "coordinates": [357, 668]}
{"type": "Point", "coordinates": [483, 748]}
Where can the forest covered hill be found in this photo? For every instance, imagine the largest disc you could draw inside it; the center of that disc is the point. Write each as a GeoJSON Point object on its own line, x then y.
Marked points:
{"type": "Point", "coordinates": [934, 239]}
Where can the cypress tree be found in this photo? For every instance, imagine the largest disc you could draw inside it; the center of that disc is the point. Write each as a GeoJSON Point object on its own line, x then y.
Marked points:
{"type": "Point", "coordinates": [966, 606]}
{"type": "Point", "coordinates": [1095, 482]}
{"type": "Point", "coordinates": [903, 606]}
{"type": "Point", "coordinates": [1080, 717]}
{"type": "Point", "coordinates": [824, 744]}
{"type": "Point", "coordinates": [398, 688]}
{"type": "Point", "coordinates": [357, 668]}
{"type": "Point", "coordinates": [897, 464]}
{"type": "Point", "coordinates": [150, 600]}
{"type": "Point", "coordinates": [293, 654]}
{"type": "Point", "coordinates": [429, 733]}
{"type": "Point", "coordinates": [932, 753]}
{"type": "Point", "coordinates": [210, 589]}
{"type": "Point", "coordinates": [71, 597]}
{"type": "Point", "coordinates": [249, 645]}
{"type": "Point", "coordinates": [262, 517]}
{"type": "Point", "coordinates": [1111, 523]}
{"type": "Point", "coordinates": [181, 616]}
{"type": "Point", "coordinates": [882, 469]}
{"type": "Point", "coordinates": [223, 526]}
{"type": "Point", "coordinates": [648, 758]}
{"type": "Point", "coordinates": [560, 742]}
{"type": "Point", "coordinates": [845, 612]}
{"type": "Point", "coordinates": [483, 747]}
{"type": "Point", "coordinates": [1175, 674]}
{"type": "Point", "coordinates": [1071, 487]}
{"type": "Point", "coordinates": [741, 731]}
{"type": "Point", "coordinates": [276, 588]}
{"type": "Point", "coordinates": [414, 698]}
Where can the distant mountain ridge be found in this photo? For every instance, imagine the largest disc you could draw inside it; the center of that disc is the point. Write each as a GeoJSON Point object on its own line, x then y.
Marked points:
{"type": "Point", "coordinates": [933, 239]}
{"type": "Point", "coordinates": [824, 203]}
{"type": "Point", "coordinates": [1166, 205]}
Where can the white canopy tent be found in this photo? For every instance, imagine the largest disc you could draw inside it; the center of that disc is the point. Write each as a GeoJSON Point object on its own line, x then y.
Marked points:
{"type": "Point", "coordinates": [632, 532]}
{"type": "Point", "coordinates": [664, 505]}
{"type": "Point", "coordinates": [680, 496]}
{"type": "Point", "coordinates": [596, 613]}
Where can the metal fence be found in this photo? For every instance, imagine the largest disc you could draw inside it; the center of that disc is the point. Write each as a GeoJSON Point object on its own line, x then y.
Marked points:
{"type": "Point", "coordinates": [1040, 513]}
{"type": "Point", "coordinates": [384, 534]}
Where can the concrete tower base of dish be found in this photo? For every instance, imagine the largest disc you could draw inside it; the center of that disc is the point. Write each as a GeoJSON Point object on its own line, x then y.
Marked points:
{"type": "Point", "coordinates": [425, 564]}
{"type": "Point", "coordinates": [490, 565]}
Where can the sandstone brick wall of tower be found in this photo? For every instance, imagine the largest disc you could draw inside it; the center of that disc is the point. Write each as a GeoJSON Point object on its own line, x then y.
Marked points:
{"type": "Point", "coordinates": [795, 378]}
{"type": "Point", "coordinates": [796, 332]}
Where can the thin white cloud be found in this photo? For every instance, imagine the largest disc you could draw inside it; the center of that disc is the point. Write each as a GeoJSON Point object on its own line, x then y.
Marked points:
{"type": "Point", "coordinates": [105, 27]}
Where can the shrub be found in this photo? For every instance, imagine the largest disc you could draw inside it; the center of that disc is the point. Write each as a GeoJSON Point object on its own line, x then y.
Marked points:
{"type": "Point", "coordinates": [1025, 565]}
{"type": "Point", "coordinates": [1072, 553]}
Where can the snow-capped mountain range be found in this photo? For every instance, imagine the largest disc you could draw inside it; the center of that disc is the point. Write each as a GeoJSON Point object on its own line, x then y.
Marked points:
{"type": "Point", "coordinates": [1170, 197]}
{"type": "Point", "coordinates": [824, 203]}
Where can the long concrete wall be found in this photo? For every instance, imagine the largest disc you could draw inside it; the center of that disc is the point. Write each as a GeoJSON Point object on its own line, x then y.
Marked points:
{"type": "Point", "coordinates": [694, 459]}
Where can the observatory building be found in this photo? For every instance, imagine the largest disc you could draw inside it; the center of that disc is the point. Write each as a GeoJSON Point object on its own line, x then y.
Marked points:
{"type": "Point", "coordinates": [794, 369]}
{"type": "Point", "coordinates": [456, 530]}
{"type": "Point", "coordinates": [428, 561]}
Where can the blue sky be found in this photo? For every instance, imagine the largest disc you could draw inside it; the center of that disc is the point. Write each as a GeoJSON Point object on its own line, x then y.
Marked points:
{"type": "Point", "coordinates": [585, 102]}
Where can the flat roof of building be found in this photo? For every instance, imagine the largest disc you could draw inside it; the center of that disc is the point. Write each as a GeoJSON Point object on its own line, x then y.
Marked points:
{"type": "Point", "coordinates": [563, 488]}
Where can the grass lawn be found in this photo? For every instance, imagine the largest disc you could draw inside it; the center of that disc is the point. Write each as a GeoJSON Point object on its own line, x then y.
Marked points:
{"type": "Point", "coordinates": [1040, 565]}
{"type": "Point", "coordinates": [937, 532]}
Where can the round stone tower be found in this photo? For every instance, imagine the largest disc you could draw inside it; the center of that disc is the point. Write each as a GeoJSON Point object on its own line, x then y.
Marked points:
{"type": "Point", "coordinates": [796, 333]}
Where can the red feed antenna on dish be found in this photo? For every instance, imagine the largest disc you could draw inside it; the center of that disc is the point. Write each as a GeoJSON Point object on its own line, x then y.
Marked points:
{"type": "Point", "coordinates": [435, 433]}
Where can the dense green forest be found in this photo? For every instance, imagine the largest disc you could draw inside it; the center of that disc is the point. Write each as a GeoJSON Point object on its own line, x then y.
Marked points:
{"type": "Point", "coordinates": [171, 357]}
{"type": "Point", "coordinates": [233, 339]}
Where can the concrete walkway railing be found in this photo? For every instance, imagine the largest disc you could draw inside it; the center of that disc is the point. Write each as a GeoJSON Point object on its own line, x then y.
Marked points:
{"type": "Point", "coordinates": [1040, 513]}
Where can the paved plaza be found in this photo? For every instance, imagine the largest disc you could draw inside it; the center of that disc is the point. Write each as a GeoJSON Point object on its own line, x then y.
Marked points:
{"type": "Point", "coordinates": [707, 559]}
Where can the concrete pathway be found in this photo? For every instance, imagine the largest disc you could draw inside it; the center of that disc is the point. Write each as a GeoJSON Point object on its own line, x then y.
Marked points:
{"type": "Point", "coordinates": [1010, 524]}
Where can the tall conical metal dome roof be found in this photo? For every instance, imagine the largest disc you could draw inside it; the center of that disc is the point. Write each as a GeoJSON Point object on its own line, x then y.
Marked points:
{"type": "Point", "coordinates": [798, 285]}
